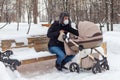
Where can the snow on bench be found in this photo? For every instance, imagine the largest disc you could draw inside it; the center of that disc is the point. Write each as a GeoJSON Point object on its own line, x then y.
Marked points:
{"type": "Point", "coordinates": [39, 42]}
{"type": "Point", "coordinates": [29, 55]}
{"type": "Point", "coordinates": [30, 50]}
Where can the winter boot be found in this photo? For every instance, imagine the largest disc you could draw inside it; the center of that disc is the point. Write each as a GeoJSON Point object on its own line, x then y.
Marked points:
{"type": "Point", "coordinates": [63, 65]}
{"type": "Point", "coordinates": [58, 67]}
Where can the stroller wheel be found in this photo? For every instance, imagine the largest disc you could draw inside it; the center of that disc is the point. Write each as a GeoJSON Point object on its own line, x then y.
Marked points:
{"type": "Point", "coordinates": [105, 66]}
{"type": "Point", "coordinates": [96, 69]}
{"type": "Point", "coordinates": [8, 53]}
{"type": "Point", "coordinates": [74, 67]}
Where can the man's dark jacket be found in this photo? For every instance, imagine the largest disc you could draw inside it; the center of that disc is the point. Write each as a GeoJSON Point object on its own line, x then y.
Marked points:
{"type": "Point", "coordinates": [54, 31]}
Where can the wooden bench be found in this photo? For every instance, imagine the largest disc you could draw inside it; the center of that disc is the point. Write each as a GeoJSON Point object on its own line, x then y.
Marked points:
{"type": "Point", "coordinates": [39, 45]}
{"type": "Point", "coordinates": [46, 25]}
{"type": "Point", "coordinates": [28, 61]}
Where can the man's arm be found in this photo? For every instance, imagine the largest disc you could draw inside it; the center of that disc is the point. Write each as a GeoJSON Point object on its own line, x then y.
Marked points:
{"type": "Point", "coordinates": [52, 32]}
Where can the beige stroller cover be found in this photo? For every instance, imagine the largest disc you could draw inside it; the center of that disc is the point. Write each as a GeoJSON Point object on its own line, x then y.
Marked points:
{"type": "Point", "coordinates": [90, 36]}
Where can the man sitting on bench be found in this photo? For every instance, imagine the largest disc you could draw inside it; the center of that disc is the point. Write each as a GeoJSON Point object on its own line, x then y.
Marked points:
{"type": "Point", "coordinates": [57, 47]}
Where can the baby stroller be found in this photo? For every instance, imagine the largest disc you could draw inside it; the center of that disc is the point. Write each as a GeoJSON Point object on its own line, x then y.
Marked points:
{"type": "Point", "coordinates": [90, 37]}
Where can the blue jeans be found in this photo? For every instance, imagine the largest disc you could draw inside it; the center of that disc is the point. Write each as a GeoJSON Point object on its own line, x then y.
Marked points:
{"type": "Point", "coordinates": [61, 55]}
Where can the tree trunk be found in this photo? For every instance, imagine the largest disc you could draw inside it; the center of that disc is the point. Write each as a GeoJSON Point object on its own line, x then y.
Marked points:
{"type": "Point", "coordinates": [2, 5]}
{"type": "Point", "coordinates": [111, 15]}
{"type": "Point", "coordinates": [18, 12]}
{"type": "Point", "coordinates": [35, 11]}
{"type": "Point", "coordinates": [106, 5]}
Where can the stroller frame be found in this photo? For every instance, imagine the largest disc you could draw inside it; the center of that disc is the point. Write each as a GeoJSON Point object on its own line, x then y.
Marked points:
{"type": "Point", "coordinates": [90, 37]}
{"type": "Point", "coordinates": [98, 66]}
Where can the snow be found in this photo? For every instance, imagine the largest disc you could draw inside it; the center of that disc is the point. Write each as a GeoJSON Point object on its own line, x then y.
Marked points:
{"type": "Point", "coordinates": [28, 53]}
{"type": "Point", "coordinates": [3, 73]}
{"type": "Point", "coordinates": [112, 39]}
{"type": "Point", "coordinates": [10, 32]}
{"type": "Point", "coordinates": [113, 45]}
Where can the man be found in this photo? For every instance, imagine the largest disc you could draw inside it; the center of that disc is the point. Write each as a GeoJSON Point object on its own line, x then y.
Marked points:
{"type": "Point", "coordinates": [57, 47]}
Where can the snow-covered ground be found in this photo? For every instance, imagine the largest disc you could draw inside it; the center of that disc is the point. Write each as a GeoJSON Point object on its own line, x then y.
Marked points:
{"type": "Point", "coordinates": [113, 45]}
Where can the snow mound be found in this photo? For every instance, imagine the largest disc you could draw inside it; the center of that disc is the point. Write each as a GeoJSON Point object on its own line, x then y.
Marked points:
{"type": "Point", "coordinates": [7, 74]}
{"type": "Point", "coordinates": [112, 42]}
{"type": "Point", "coordinates": [3, 73]}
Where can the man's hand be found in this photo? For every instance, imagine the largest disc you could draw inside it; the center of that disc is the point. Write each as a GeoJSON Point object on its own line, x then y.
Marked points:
{"type": "Point", "coordinates": [66, 37]}
{"type": "Point", "coordinates": [62, 31]}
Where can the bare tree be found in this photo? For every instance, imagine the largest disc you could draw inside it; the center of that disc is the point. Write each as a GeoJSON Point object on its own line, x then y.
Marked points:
{"type": "Point", "coordinates": [1, 5]}
{"type": "Point", "coordinates": [35, 10]}
{"type": "Point", "coordinates": [6, 14]}
{"type": "Point", "coordinates": [106, 8]}
{"type": "Point", "coordinates": [30, 8]}
{"type": "Point", "coordinates": [112, 15]}
{"type": "Point", "coordinates": [93, 10]}
{"type": "Point", "coordinates": [18, 12]}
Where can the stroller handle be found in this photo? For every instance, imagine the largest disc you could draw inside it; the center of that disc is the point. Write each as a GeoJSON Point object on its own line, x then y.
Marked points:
{"type": "Point", "coordinates": [74, 43]}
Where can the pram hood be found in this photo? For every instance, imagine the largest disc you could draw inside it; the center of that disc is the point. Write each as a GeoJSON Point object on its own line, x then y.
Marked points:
{"type": "Point", "coordinates": [90, 36]}
{"type": "Point", "coordinates": [88, 29]}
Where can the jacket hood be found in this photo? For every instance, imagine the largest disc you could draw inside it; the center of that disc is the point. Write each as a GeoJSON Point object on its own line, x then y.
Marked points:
{"type": "Point", "coordinates": [62, 15]}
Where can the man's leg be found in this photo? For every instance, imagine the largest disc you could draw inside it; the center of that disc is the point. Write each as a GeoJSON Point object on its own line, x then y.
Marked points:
{"type": "Point", "coordinates": [60, 54]}
{"type": "Point", "coordinates": [67, 59]}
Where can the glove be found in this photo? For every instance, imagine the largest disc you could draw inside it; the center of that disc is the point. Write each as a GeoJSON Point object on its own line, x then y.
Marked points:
{"type": "Point", "coordinates": [66, 37]}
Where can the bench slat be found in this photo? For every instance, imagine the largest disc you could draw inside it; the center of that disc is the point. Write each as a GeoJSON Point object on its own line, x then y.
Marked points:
{"type": "Point", "coordinates": [28, 61]}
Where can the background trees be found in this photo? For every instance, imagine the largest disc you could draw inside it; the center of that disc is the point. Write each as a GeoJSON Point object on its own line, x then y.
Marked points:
{"type": "Point", "coordinates": [98, 11]}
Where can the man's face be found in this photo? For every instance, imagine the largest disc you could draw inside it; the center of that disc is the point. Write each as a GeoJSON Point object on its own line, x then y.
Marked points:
{"type": "Point", "coordinates": [66, 18]}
